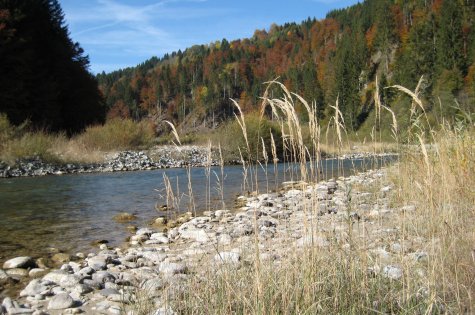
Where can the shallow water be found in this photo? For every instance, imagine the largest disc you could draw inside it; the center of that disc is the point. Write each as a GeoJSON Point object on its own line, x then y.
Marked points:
{"type": "Point", "coordinates": [69, 212]}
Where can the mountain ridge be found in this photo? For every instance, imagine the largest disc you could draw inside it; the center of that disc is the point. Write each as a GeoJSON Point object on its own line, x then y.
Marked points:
{"type": "Point", "coordinates": [398, 41]}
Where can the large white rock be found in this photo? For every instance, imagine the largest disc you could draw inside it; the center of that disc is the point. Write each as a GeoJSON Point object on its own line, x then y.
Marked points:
{"type": "Point", "coordinates": [154, 257]}
{"type": "Point", "coordinates": [317, 241]}
{"type": "Point", "coordinates": [99, 262]}
{"type": "Point", "coordinates": [169, 268]}
{"type": "Point", "coordinates": [4, 277]}
{"type": "Point", "coordinates": [55, 276]}
{"type": "Point", "coordinates": [195, 234]}
{"type": "Point", "coordinates": [33, 288]}
{"type": "Point", "coordinates": [19, 262]}
{"type": "Point", "coordinates": [60, 302]}
{"type": "Point", "coordinates": [392, 272]}
{"type": "Point", "coordinates": [152, 285]}
{"type": "Point", "coordinates": [69, 281]}
{"type": "Point", "coordinates": [161, 238]}
{"type": "Point", "coordinates": [227, 257]}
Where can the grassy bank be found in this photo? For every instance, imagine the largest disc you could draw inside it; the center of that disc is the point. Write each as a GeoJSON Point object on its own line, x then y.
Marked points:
{"type": "Point", "coordinates": [20, 142]}
{"type": "Point", "coordinates": [432, 217]}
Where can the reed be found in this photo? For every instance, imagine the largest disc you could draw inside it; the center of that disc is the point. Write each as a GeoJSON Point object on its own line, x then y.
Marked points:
{"type": "Point", "coordinates": [433, 186]}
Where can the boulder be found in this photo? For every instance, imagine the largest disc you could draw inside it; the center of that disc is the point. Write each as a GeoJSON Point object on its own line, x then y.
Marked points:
{"type": "Point", "coordinates": [20, 311]}
{"type": "Point", "coordinates": [33, 288]}
{"type": "Point", "coordinates": [152, 285]}
{"type": "Point", "coordinates": [69, 281]}
{"type": "Point", "coordinates": [227, 257]}
{"type": "Point", "coordinates": [36, 272]}
{"type": "Point", "coordinates": [392, 272]}
{"type": "Point", "coordinates": [17, 273]}
{"type": "Point", "coordinates": [144, 231]}
{"type": "Point", "coordinates": [4, 277]}
{"type": "Point", "coordinates": [19, 262]}
{"type": "Point", "coordinates": [103, 277]}
{"type": "Point", "coordinates": [195, 234]}
{"type": "Point", "coordinates": [169, 268]}
{"type": "Point", "coordinates": [61, 302]}
{"type": "Point", "coordinates": [61, 258]}
{"type": "Point", "coordinates": [99, 262]}
{"type": "Point", "coordinates": [55, 276]}
{"type": "Point", "coordinates": [82, 289]}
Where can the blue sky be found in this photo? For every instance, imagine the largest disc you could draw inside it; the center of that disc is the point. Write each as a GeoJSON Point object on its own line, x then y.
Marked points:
{"type": "Point", "coordinates": [122, 33]}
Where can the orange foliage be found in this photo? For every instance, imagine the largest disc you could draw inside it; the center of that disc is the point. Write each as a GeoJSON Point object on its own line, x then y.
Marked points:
{"type": "Point", "coordinates": [418, 15]}
{"type": "Point", "coordinates": [470, 78]}
{"type": "Point", "coordinates": [371, 35]}
{"type": "Point", "coordinates": [401, 27]}
{"type": "Point", "coordinates": [148, 97]}
{"type": "Point", "coordinates": [119, 110]}
{"type": "Point", "coordinates": [245, 102]}
{"type": "Point", "coordinates": [436, 5]}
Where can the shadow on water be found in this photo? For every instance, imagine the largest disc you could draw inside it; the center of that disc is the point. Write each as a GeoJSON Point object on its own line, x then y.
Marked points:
{"type": "Point", "coordinates": [69, 212]}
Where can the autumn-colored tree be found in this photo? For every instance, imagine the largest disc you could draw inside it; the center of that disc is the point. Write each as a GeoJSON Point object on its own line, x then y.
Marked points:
{"type": "Point", "coordinates": [397, 41]}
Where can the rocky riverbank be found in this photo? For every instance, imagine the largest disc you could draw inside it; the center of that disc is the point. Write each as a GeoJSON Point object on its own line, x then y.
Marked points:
{"type": "Point", "coordinates": [161, 157]}
{"type": "Point", "coordinates": [157, 262]}
{"type": "Point", "coordinates": [156, 158]}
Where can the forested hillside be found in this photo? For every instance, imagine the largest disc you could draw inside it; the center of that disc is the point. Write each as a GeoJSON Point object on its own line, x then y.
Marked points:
{"type": "Point", "coordinates": [44, 75]}
{"type": "Point", "coordinates": [397, 41]}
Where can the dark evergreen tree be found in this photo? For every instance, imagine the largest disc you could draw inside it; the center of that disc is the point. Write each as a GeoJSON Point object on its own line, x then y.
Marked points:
{"type": "Point", "coordinates": [450, 37]}
{"type": "Point", "coordinates": [44, 74]}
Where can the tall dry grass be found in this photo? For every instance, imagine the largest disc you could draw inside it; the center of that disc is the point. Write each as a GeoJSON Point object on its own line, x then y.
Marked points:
{"type": "Point", "coordinates": [117, 134]}
{"type": "Point", "coordinates": [435, 174]}
{"type": "Point", "coordinates": [88, 147]}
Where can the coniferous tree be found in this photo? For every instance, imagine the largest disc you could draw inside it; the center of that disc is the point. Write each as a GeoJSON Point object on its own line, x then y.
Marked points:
{"type": "Point", "coordinates": [44, 75]}
{"type": "Point", "coordinates": [449, 37]}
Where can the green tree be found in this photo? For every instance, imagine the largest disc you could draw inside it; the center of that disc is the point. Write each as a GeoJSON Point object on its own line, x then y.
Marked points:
{"type": "Point", "coordinates": [450, 38]}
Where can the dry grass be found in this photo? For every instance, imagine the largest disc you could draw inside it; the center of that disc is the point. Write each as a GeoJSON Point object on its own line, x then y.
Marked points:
{"type": "Point", "coordinates": [440, 182]}
{"type": "Point", "coordinates": [89, 147]}
{"type": "Point", "coordinates": [438, 178]}
{"type": "Point", "coordinates": [117, 134]}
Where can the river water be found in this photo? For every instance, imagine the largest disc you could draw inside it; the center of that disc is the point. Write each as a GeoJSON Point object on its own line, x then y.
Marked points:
{"type": "Point", "coordinates": [69, 212]}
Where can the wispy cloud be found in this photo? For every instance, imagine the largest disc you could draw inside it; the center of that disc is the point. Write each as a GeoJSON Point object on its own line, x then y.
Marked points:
{"type": "Point", "coordinates": [126, 32]}
{"type": "Point", "coordinates": [111, 25]}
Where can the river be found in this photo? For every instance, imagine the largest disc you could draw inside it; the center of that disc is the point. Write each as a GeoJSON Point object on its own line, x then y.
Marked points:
{"type": "Point", "coordinates": [69, 212]}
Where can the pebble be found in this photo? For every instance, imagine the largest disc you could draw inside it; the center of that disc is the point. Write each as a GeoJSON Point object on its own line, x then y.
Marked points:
{"type": "Point", "coordinates": [154, 264]}
{"type": "Point", "coordinates": [122, 161]}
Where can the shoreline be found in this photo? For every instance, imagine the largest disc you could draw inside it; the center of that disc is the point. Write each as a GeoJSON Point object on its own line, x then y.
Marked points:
{"type": "Point", "coordinates": [163, 157]}
{"type": "Point", "coordinates": [105, 282]}
{"type": "Point", "coordinates": [166, 157]}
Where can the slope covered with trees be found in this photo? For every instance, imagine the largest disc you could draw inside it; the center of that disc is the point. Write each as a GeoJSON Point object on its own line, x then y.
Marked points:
{"type": "Point", "coordinates": [44, 75]}
{"type": "Point", "coordinates": [397, 41]}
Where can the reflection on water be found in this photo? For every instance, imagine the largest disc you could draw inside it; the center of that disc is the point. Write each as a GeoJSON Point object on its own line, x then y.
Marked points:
{"type": "Point", "coordinates": [69, 212]}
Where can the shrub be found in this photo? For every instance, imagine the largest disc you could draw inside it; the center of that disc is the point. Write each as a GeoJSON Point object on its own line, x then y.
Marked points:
{"type": "Point", "coordinates": [232, 138]}
{"type": "Point", "coordinates": [117, 134]}
{"type": "Point", "coordinates": [17, 143]}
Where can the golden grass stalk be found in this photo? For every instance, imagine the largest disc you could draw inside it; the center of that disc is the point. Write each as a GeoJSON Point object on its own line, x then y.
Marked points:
{"type": "Point", "coordinates": [414, 95]}
{"type": "Point", "coordinates": [242, 123]}
{"type": "Point", "coordinates": [174, 132]}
